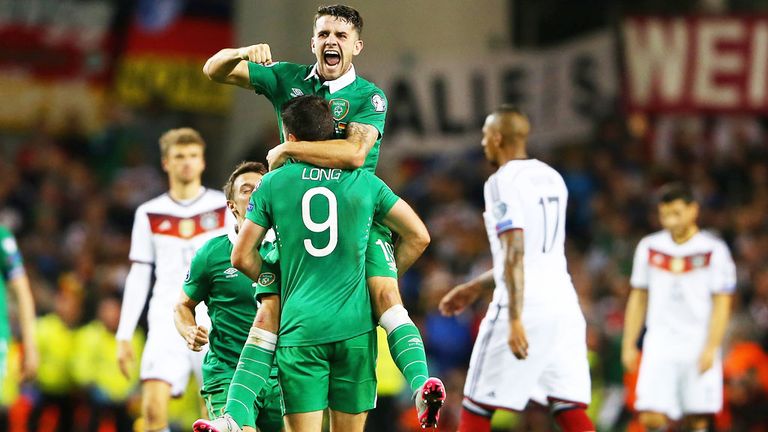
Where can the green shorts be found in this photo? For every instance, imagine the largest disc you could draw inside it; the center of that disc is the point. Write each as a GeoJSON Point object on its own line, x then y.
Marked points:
{"type": "Point", "coordinates": [340, 375]}
{"type": "Point", "coordinates": [380, 255]}
{"type": "Point", "coordinates": [267, 408]}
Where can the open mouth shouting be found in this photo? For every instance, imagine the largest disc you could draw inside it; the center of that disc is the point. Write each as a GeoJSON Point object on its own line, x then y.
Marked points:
{"type": "Point", "coordinates": [332, 57]}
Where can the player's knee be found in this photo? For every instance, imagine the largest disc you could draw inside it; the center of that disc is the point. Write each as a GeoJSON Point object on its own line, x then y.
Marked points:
{"type": "Point", "coordinates": [653, 420]}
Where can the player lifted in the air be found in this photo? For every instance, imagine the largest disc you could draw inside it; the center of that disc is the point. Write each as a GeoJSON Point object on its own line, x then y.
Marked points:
{"type": "Point", "coordinates": [532, 341]}
{"type": "Point", "coordinates": [232, 305]}
{"type": "Point", "coordinates": [322, 217]}
{"type": "Point", "coordinates": [682, 283]}
{"type": "Point", "coordinates": [167, 231]}
{"type": "Point", "coordinates": [359, 111]}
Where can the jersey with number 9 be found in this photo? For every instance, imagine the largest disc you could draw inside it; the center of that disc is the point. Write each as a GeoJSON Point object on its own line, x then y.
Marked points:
{"type": "Point", "coordinates": [322, 218]}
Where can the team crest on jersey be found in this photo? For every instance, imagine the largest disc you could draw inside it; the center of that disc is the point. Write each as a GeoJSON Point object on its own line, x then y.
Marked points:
{"type": "Point", "coordinates": [230, 272]}
{"type": "Point", "coordinates": [209, 221]}
{"type": "Point", "coordinates": [378, 103]}
{"type": "Point", "coordinates": [339, 108]}
{"type": "Point", "coordinates": [187, 228]}
{"type": "Point", "coordinates": [296, 92]}
{"type": "Point", "coordinates": [266, 279]}
{"type": "Point", "coordinates": [499, 210]}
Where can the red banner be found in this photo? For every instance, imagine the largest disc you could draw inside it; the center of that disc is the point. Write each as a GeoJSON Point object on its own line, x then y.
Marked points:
{"type": "Point", "coordinates": [696, 64]}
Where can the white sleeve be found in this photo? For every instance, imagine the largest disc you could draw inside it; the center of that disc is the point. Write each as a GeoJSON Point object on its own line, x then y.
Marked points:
{"type": "Point", "coordinates": [134, 297]}
{"type": "Point", "coordinates": [142, 248]}
{"type": "Point", "coordinates": [639, 277]}
{"type": "Point", "coordinates": [506, 204]}
{"type": "Point", "coordinates": [724, 269]}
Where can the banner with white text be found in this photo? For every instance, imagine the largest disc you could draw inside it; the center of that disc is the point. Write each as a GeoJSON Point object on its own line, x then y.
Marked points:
{"type": "Point", "coordinates": [713, 64]}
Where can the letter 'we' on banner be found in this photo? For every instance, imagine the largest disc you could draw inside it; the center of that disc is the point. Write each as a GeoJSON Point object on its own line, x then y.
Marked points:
{"type": "Point", "coordinates": [696, 64]}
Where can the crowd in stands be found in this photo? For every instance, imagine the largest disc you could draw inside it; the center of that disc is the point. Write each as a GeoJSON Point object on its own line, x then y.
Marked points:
{"type": "Point", "coordinates": [69, 198]}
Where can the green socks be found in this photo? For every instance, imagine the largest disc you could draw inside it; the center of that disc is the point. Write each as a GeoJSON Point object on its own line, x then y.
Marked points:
{"type": "Point", "coordinates": [250, 376]}
{"type": "Point", "coordinates": [405, 345]}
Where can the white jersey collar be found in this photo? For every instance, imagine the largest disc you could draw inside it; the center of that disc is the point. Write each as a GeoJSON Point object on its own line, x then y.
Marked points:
{"type": "Point", "coordinates": [232, 234]}
{"type": "Point", "coordinates": [337, 84]}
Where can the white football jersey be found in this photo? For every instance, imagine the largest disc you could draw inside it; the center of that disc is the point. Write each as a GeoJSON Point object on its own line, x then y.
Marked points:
{"type": "Point", "coordinates": [530, 195]}
{"type": "Point", "coordinates": [680, 279]}
{"type": "Point", "coordinates": [166, 234]}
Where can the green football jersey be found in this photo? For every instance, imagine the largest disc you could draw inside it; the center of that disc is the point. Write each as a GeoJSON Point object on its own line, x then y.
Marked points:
{"type": "Point", "coordinates": [352, 98]}
{"type": "Point", "coordinates": [229, 295]}
{"type": "Point", "coordinates": [11, 266]}
{"type": "Point", "coordinates": [322, 219]}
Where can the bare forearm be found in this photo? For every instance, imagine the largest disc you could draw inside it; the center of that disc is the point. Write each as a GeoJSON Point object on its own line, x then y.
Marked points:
{"type": "Point", "coordinates": [634, 316]}
{"type": "Point", "coordinates": [721, 312]}
{"type": "Point", "coordinates": [250, 265]}
{"type": "Point", "coordinates": [183, 317]}
{"type": "Point", "coordinates": [218, 67]}
{"type": "Point", "coordinates": [514, 276]}
{"type": "Point", "coordinates": [407, 251]}
{"type": "Point", "coordinates": [336, 153]}
{"type": "Point", "coordinates": [484, 281]}
{"type": "Point", "coordinates": [26, 311]}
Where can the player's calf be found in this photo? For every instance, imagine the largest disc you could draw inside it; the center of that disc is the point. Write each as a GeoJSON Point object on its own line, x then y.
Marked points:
{"type": "Point", "coordinates": [571, 416]}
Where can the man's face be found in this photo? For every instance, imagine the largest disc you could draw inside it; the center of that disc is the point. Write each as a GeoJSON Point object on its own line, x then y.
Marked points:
{"type": "Point", "coordinates": [184, 163]}
{"type": "Point", "coordinates": [678, 216]}
{"type": "Point", "coordinates": [491, 140]}
{"type": "Point", "coordinates": [242, 189]}
{"type": "Point", "coordinates": [334, 42]}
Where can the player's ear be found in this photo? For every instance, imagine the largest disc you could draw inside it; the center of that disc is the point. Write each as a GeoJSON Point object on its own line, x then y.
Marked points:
{"type": "Point", "coordinates": [291, 137]}
{"type": "Point", "coordinates": [232, 207]}
{"type": "Point", "coordinates": [312, 44]}
{"type": "Point", "coordinates": [164, 163]}
{"type": "Point", "coordinates": [358, 47]}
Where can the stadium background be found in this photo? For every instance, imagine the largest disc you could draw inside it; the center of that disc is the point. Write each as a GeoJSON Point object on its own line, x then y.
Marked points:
{"type": "Point", "coordinates": [623, 96]}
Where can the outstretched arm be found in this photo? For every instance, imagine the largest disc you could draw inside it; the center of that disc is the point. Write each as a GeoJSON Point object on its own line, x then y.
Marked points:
{"type": "Point", "coordinates": [347, 153]}
{"type": "Point", "coordinates": [229, 66]}
{"type": "Point", "coordinates": [461, 296]}
{"type": "Point", "coordinates": [413, 235]}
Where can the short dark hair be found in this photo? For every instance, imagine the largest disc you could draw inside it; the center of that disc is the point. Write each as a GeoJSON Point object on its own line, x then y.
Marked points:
{"type": "Point", "coordinates": [674, 191]}
{"type": "Point", "coordinates": [240, 169]}
{"type": "Point", "coordinates": [342, 12]}
{"type": "Point", "coordinates": [308, 118]}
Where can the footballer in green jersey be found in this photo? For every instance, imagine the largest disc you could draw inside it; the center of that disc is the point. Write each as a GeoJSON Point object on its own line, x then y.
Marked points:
{"type": "Point", "coordinates": [358, 109]}
{"type": "Point", "coordinates": [322, 218]}
{"type": "Point", "coordinates": [13, 275]}
{"type": "Point", "coordinates": [232, 305]}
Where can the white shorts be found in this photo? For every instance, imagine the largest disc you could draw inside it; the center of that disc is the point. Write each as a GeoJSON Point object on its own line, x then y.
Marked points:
{"type": "Point", "coordinates": [167, 358]}
{"type": "Point", "coordinates": [556, 366]}
{"type": "Point", "coordinates": [674, 387]}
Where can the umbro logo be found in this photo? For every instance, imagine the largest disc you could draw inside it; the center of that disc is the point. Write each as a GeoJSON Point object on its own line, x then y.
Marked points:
{"type": "Point", "coordinates": [230, 272]}
{"type": "Point", "coordinates": [296, 92]}
{"type": "Point", "coordinates": [415, 341]}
